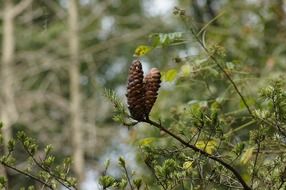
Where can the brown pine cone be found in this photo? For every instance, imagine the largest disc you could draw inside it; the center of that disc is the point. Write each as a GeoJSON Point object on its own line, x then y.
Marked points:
{"type": "Point", "coordinates": [135, 91]}
{"type": "Point", "coordinates": [151, 84]}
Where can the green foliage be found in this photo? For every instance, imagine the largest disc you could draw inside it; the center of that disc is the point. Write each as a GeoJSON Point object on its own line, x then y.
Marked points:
{"type": "Point", "coordinates": [165, 39]}
{"type": "Point", "coordinates": [137, 183]}
{"type": "Point", "coordinates": [120, 111]}
{"type": "Point", "coordinates": [159, 40]}
{"type": "Point", "coordinates": [170, 75]}
{"type": "Point", "coordinates": [44, 170]}
{"type": "Point", "coordinates": [123, 181]}
{"type": "Point", "coordinates": [222, 133]}
{"type": "Point", "coordinates": [3, 182]}
{"type": "Point", "coordinates": [106, 181]}
{"type": "Point", "coordinates": [142, 50]}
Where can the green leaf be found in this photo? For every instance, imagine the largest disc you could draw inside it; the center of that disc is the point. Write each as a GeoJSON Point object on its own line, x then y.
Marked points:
{"type": "Point", "coordinates": [213, 72]}
{"type": "Point", "coordinates": [186, 70]}
{"type": "Point", "coordinates": [122, 184]}
{"type": "Point", "coordinates": [11, 145]}
{"type": "Point", "coordinates": [146, 141]}
{"type": "Point", "coordinates": [246, 156]}
{"type": "Point", "coordinates": [142, 50]}
{"type": "Point", "coordinates": [249, 101]}
{"type": "Point", "coordinates": [48, 149]}
{"type": "Point", "coordinates": [31, 187]}
{"type": "Point", "coordinates": [106, 164]}
{"type": "Point", "coordinates": [121, 161]}
{"type": "Point", "coordinates": [170, 75]}
{"type": "Point", "coordinates": [187, 165]}
{"type": "Point", "coordinates": [165, 39]}
{"type": "Point", "coordinates": [230, 65]}
{"type": "Point", "coordinates": [209, 147]}
{"type": "Point", "coordinates": [3, 182]}
{"type": "Point", "coordinates": [106, 181]}
{"type": "Point", "coordinates": [137, 183]}
{"type": "Point", "coordinates": [49, 161]}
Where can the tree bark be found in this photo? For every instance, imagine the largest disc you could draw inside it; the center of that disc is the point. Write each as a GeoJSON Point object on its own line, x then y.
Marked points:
{"type": "Point", "coordinates": [75, 96]}
{"type": "Point", "coordinates": [8, 107]}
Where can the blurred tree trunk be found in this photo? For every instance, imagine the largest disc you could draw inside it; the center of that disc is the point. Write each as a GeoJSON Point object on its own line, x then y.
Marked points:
{"type": "Point", "coordinates": [8, 107]}
{"type": "Point", "coordinates": [75, 109]}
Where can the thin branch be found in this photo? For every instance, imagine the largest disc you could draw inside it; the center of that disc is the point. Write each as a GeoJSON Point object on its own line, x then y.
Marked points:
{"type": "Point", "coordinates": [198, 137]}
{"type": "Point", "coordinates": [127, 176]}
{"type": "Point", "coordinates": [227, 135]}
{"type": "Point", "coordinates": [221, 68]}
{"type": "Point", "coordinates": [57, 178]}
{"type": "Point", "coordinates": [27, 174]}
{"type": "Point", "coordinates": [210, 22]}
{"type": "Point", "coordinates": [154, 173]}
{"type": "Point", "coordinates": [255, 163]}
{"type": "Point", "coordinates": [225, 73]}
{"type": "Point", "coordinates": [196, 149]}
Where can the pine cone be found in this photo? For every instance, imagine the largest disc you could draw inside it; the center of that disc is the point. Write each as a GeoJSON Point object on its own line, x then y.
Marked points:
{"type": "Point", "coordinates": [135, 91]}
{"type": "Point", "coordinates": [151, 84]}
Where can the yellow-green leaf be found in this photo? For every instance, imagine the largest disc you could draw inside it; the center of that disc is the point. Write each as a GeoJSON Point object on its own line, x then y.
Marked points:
{"type": "Point", "coordinates": [187, 165]}
{"type": "Point", "coordinates": [186, 70]}
{"type": "Point", "coordinates": [146, 141]}
{"type": "Point", "coordinates": [142, 50]}
{"type": "Point", "coordinates": [170, 75]}
{"type": "Point", "coordinates": [210, 147]}
{"type": "Point", "coordinates": [246, 156]}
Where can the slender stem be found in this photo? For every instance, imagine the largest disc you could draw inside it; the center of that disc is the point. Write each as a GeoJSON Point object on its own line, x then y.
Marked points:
{"type": "Point", "coordinates": [127, 176]}
{"type": "Point", "coordinates": [198, 137]}
{"type": "Point", "coordinates": [255, 163]}
{"type": "Point", "coordinates": [28, 175]}
{"type": "Point", "coordinates": [183, 186]}
{"type": "Point", "coordinates": [222, 69]}
{"type": "Point", "coordinates": [196, 149]}
{"type": "Point", "coordinates": [239, 128]}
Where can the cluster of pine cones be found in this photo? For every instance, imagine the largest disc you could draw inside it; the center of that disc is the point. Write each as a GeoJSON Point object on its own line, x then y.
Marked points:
{"type": "Point", "coordinates": [142, 92]}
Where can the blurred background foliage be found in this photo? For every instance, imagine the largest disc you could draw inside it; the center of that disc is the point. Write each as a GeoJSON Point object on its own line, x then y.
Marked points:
{"type": "Point", "coordinates": [248, 36]}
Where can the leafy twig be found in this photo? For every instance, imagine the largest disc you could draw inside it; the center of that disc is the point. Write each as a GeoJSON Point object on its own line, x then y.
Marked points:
{"type": "Point", "coordinates": [154, 173]}
{"type": "Point", "coordinates": [27, 174]}
{"type": "Point", "coordinates": [221, 68]}
{"type": "Point", "coordinates": [196, 149]}
{"type": "Point", "coordinates": [57, 178]}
